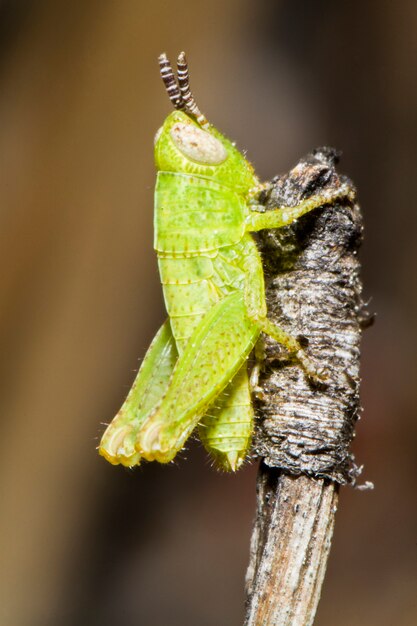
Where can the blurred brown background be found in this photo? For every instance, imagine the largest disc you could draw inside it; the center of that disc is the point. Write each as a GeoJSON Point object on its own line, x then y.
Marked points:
{"type": "Point", "coordinates": [84, 543]}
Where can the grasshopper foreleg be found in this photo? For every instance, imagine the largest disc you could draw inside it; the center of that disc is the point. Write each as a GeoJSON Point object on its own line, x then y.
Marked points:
{"type": "Point", "coordinates": [283, 216]}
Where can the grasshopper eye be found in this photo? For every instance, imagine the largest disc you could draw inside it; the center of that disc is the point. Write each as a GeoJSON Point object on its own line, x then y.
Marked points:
{"type": "Point", "coordinates": [197, 144]}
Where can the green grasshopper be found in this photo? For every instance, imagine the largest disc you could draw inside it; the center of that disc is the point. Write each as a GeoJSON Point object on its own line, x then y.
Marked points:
{"type": "Point", "coordinates": [195, 370]}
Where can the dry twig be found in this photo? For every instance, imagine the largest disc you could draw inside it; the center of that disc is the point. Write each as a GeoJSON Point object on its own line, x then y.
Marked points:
{"type": "Point", "coordinates": [305, 430]}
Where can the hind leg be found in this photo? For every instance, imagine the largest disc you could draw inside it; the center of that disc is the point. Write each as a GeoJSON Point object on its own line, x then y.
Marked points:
{"type": "Point", "coordinates": [213, 355]}
{"type": "Point", "coordinates": [118, 441]}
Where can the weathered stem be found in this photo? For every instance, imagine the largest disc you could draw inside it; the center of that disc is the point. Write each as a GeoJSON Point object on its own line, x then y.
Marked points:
{"type": "Point", "coordinates": [305, 429]}
{"type": "Point", "coordinates": [290, 546]}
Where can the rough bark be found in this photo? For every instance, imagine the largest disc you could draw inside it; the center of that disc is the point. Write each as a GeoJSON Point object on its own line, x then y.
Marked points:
{"type": "Point", "coordinates": [304, 428]}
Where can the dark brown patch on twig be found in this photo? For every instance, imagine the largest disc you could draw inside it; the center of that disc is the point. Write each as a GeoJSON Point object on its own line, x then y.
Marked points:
{"type": "Point", "coordinates": [313, 291]}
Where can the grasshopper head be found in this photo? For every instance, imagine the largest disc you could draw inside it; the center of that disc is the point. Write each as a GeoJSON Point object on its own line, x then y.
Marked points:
{"type": "Point", "coordinates": [182, 145]}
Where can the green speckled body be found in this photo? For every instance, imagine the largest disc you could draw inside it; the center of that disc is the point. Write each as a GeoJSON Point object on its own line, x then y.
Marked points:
{"type": "Point", "coordinates": [199, 228]}
{"type": "Point", "coordinates": [201, 241]}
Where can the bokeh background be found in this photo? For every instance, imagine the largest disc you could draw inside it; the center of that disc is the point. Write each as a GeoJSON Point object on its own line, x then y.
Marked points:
{"type": "Point", "coordinates": [84, 543]}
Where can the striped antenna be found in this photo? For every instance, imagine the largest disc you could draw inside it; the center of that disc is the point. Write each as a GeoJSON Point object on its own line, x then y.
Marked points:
{"type": "Point", "coordinates": [170, 82]}
{"type": "Point", "coordinates": [190, 104]}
